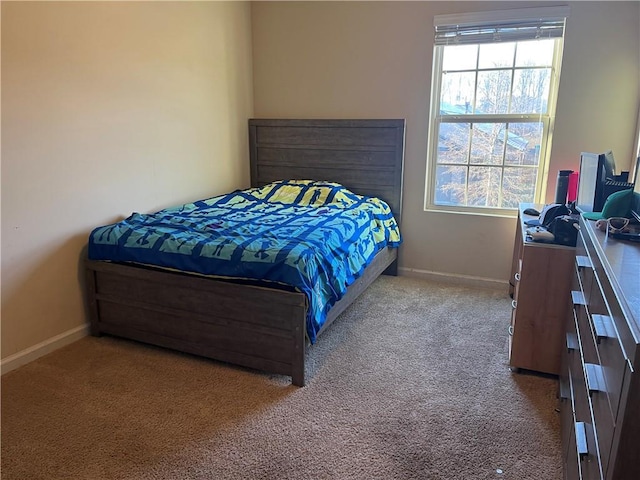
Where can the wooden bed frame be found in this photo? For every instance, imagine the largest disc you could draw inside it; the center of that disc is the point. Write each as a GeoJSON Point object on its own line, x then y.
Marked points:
{"type": "Point", "coordinates": [255, 326]}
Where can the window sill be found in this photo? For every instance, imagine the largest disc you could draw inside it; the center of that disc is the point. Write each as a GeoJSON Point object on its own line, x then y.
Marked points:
{"type": "Point", "coordinates": [476, 212]}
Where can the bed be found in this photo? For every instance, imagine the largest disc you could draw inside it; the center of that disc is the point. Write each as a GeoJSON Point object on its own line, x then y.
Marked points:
{"type": "Point", "coordinates": [261, 325]}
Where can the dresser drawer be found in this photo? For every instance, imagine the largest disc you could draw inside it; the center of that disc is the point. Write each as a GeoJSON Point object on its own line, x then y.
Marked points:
{"type": "Point", "coordinates": [585, 429]}
{"type": "Point", "coordinates": [587, 340]}
{"type": "Point", "coordinates": [612, 359]}
{"type": "Point", "coordinates": [610, 353]}
{"type": "Point", "coordinates": [577, 380]}
{"type": "Point", "coordinates": [571, 457]}
{"type": "Point", "coordinates": [589, 462]}
{"type": "Point", "coordinates": [603, 420]}
{"type": "Point", "coordinates": [510, 332]}
{"type": "Point", "coordinates": [585, 274]}
{"type": "Point", "coordinates": [566, 411]}
{"type": "Point", "coordinates": [565, 386]}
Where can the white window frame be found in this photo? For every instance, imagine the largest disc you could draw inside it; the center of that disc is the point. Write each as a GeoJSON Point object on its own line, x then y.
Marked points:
{"type": "Point", "coordinates": [485, 20]}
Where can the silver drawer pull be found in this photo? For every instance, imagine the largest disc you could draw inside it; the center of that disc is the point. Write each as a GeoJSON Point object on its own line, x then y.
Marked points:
{"type": "Point", "coordinates": [577, 298]}
{"type": "Point", "coordinates": [517, 276]}
{"type": "Point", "coordinates": [572, 342]}
{"type": "Point", "coordinates": [511, 330]}
{"type": "Point", "coordinates": [565, 389]}
{"type": "Point", "coordinates": [581, 440]}
{"type": "Point", "coordinates": [603, 327]}
{"type": "Point", "coordinates": [595, 378]}
{"type": "Point", "coordinates": [514, 304]}
{"type": "Point", "coordinates": [582, 261]}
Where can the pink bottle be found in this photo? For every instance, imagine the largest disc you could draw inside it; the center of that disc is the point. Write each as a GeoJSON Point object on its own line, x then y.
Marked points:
{"type": "Point", "coordinates": [572, 191]}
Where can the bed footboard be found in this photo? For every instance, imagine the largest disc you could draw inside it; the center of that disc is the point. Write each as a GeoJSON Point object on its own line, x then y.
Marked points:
{"type": "Point", "coordinates": [245, 325]}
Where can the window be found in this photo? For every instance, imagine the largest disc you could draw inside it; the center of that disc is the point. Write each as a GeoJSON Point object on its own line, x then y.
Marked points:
{"type": "Point", "coordinates": [495, 81]}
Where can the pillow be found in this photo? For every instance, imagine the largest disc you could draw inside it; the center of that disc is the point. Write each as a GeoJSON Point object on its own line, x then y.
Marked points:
{"type": "Point", "coordinates": [306, 193]}
{"type": "Point", "coordinates": [617, 204]}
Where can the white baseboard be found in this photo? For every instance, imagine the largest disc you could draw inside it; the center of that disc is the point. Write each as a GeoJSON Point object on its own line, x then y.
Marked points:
{"type": "Point", "coordinates": [41, 349]}
{"type": "Point", "coordinates": [451, 278]}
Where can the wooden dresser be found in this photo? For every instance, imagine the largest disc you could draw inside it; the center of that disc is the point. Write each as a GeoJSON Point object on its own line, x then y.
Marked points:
{"type": "Point", "coordinates": [599, 382]}
{"type": "Point", "coordinates": [539, 285]}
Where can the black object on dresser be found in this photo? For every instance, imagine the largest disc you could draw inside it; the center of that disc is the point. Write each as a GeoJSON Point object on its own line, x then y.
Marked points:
{"type": "Point", "coordinates": [599, 378]}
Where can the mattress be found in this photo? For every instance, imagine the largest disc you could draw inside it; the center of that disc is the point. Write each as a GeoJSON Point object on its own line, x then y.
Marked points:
{"type": "Point", "coordinates": [315, 237]}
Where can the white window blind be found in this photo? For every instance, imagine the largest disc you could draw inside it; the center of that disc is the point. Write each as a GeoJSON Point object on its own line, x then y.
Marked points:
{"type": "Point", "coordinates": [500, 26]}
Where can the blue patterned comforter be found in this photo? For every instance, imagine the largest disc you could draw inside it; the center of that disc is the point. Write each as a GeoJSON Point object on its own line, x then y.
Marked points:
{"type": "Point", "coordinates": [317, 237]}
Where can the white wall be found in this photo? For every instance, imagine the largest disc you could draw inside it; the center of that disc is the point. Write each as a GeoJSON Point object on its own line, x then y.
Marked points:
{"type": "Point", "coordinates": [373, 59]}
{"type": "Point", "coordinates": [600, 89]}
{"type": "Point", "coordinates": [109, 108]}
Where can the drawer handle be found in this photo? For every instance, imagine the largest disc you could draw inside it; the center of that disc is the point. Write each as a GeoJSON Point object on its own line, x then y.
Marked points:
{"type": "Point", "coordinates": [595, 378]}
{"type": "Point", "coordinates": [511, 330]}
{"type": "Point", "coordinates": [514, 304]}
{"type": "Point", "coordinates": [603, 327]}
{"type": "Point", "coordinates": [581, 439]}
{"type": "Point", "coordinates": [517, 276]}
{"type": "Point", "coordinates": [565, 389]}
{"type": "Point", "coordinates": [572, 342]}
{"type": "Point", "coordinates": [582, 261]}
{"type": "Point", "coordinates": [577, 298]}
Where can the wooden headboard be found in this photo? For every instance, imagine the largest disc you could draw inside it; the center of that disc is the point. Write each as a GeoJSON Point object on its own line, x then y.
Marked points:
{"type": "Point", "coordinates": [366, 156]}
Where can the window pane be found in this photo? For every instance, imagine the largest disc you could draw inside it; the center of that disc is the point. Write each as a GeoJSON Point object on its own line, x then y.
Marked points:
{"type": "Point", "coordinates": [484, 186]}
{"type": "Point", "coordinates": [531, 90]}
{"type": "Point", "coordinates": [459, 57]}
{"type": "Point", "coordinates": [453, 143]}
{"type": "Point", "coordinates": [487, 143]}
{"type": "Point", "coordinates": [535, 53]}
{"type": "Point", "coordinates": [518, 186]}
{"type": "Point", "coordinates": [457, 93]}
{"type": "Point", "coordinates": [494, 88]}
{"type": "Point", "coordinates": [523, 144]}
{"type": "Point", "coordinates": [494, 55]}
{"type": "Point", "coordinates": [450, 185]}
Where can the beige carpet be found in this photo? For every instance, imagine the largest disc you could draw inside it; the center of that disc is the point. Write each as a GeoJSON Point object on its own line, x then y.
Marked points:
{"type": "Point", "coordinates": [410, 383]}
